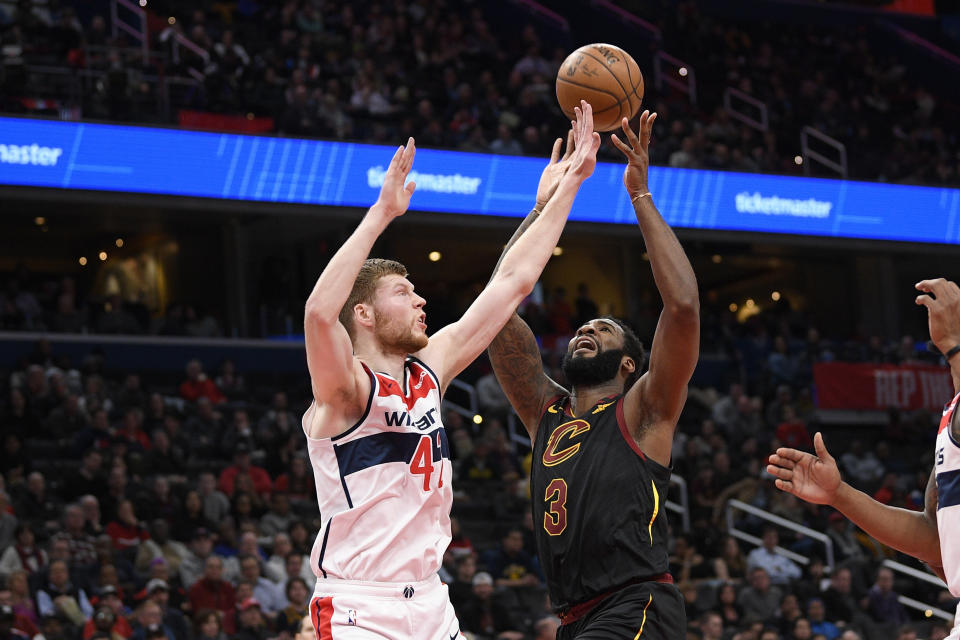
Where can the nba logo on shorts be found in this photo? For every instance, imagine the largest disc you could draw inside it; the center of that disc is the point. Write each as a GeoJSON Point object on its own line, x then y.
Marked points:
{"type": "Point", "coordinates": [352, 617]}
{"type": "Point", "coordinates": [408, 591]}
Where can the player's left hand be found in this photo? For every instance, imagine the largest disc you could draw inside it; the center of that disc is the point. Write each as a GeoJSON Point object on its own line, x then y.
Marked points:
{"type": "Point", "coordinates": [554, 170]}
{"type": "Point", "coordinates": [943, 311]}
{"type": "Point", "coordinates": [635, 149]}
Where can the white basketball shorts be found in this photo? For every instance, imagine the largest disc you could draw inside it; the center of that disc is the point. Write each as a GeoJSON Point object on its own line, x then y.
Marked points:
{"type": "Point", "coordinates": [350, 610]}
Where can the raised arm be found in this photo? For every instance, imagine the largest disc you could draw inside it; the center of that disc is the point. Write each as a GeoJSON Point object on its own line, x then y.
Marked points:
{"type": "Point", "coordinates": [458, 344]}
{"type": "Point", "coordinates": [514, 352]}
{"type": "Point", "coordinates": [337, 378]}
{"type": "Point", "coordinates": [652, 406]}
{"type": "Point", "coordinates": [816, 479]}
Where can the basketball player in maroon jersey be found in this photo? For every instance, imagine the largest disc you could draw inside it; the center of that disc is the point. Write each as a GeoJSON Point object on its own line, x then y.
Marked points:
{"type": "Point", "coordinates": [374, 432]}
{"type": "Point", "coordinates": [601, 450]}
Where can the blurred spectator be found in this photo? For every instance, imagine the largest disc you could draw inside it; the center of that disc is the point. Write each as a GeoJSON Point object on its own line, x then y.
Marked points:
{"type": "Point", "coordinates": [216, 505]}
{"type": "Point", "coordinates": [211, 591]}
{"type": "Point", "coordinates": [297, 598]}
{"type": "Point", "coordinates": [270, 598]}
{"type": "Point", "coordinates": [91, 515]}
{"type": "Point", "coordinates": [241, 464]}
{"type": "Point", "coordinates": [159, 545]}
{"type": "Point", "coordinates": [884, 602]}
{"type": "Point", "coordinates": [20, 599]}
{"type": "Point", "coordinates": [193, 566]}
{"type": "Point", "coordinates": [23, 554]}
{"type": "Point", "coordinates": [510, 565]}
{"type": "Point", "coordinates": [860, 465]}
{"type": "Point", "coordinates": [107, 620]}
{"type": "Point", "coordinates": [818, 624]}
{"type": "Point", "coordinates": [759, 601]}
{"type": "Point", "coordinates": [88, 479]}
{"type": "Point", "coordinates": [59, 596]}
{"type": "Point", "coordinates": [197, 385]}
{"type": "Point", "coordinates": [483, 614]}
{"type": "Point", "coordinates": [207, 626]}
{"type": "Point", "coordinates": [251, 623]}
{"type": "Point", "coordinates": [158, 591]}
{"type": "Point", "coordinates": [148, 622]}
{"type": "Point", "coordinates": [82, 552]}
{"type": "Point", "coordinates": [779, 568]}
{"type": "Point", "coordinates": [125, 530]}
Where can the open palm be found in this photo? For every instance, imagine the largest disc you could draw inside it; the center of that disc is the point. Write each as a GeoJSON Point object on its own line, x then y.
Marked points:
{"type": "Point", "coordinates": [814, 478]}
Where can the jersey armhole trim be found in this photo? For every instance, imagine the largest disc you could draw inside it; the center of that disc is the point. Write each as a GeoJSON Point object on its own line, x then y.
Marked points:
{"type": "Point", "coordinates": [622, 423]}
{"type": "Point", "coordinates": [546, 407]}
{"type": "Point", "coordinates": [366, 411]}
{"type": "Point", "coordinates": [433, 375]}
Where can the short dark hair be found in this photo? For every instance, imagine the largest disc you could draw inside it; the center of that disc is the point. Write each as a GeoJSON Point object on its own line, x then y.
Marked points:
{"type": "Point", "coordinates": [633, 348]}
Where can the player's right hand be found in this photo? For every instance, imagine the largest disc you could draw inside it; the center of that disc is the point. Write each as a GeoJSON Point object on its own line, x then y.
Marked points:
{"type": "Point", "coordinates": [586, 142]}
{"type": "Point", "coordinates": [943, 310]}
{"type": "Point", "coordinates": [394, 195]}
{"type": "Point", "coordinates": [814, 478]}
{"type": "Point", "coordinates": [554, 170]}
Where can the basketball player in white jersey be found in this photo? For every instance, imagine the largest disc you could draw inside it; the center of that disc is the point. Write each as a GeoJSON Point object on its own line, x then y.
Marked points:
{"type": "Point", "coordinates": [932, 535]}
{"type": "Point", "coordinates": [379, 451]}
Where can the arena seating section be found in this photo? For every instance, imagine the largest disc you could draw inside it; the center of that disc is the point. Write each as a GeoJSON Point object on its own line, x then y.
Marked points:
{"type": "Point", "coordinates": [460, 75]}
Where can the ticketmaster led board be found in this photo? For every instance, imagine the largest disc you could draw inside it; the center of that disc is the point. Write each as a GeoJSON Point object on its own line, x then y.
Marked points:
{"type": "Point", "coordinates": [72, 155]}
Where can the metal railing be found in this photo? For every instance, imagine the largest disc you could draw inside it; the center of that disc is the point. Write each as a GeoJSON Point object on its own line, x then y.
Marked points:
{"type": "Point", "coordinates": [138, 33]}
{"type": "Point", "coordinates": [840, 165]}
{"type": "Point", "coordinates": [906, 601]}
{"type": "Point", "coordinates": [736, 505]}
{"type": "Point", "coordinates": [674, 72]}
{"type": "Point", "coordinates": [733, 100]}
{"type": "Point", "coordinates": [683, 508]}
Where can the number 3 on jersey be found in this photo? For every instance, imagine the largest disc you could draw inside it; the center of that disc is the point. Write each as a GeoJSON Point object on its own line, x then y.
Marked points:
{"type": "Point", "coordinates": [422, 462]}
{"type": "Point", "coordinates": [555, 517]}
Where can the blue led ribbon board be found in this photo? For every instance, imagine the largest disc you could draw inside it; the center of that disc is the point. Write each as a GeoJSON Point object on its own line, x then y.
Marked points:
{"type": "Point", "coordinates": [70, 155]}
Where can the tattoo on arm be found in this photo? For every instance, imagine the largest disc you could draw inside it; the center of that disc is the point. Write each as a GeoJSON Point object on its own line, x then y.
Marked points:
{"type": "Point", "coordinates": [516, 361]}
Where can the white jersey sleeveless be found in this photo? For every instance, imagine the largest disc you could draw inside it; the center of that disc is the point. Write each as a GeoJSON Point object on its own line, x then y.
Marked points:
{"type": "Point", "coordinates": [384, 485]}
{"type": "Point", "coordinates": [948, 498]}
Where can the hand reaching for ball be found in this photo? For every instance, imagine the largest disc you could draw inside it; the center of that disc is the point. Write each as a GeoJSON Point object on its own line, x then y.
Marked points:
{"type": "Point", "coordinates": [638, 160]}
{"type": "Point", "coordinates": [586, 141]}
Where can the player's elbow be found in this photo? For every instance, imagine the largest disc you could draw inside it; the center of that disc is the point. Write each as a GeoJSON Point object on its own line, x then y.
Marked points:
{"type": "Point", "coordinates": [520, 281]}
{"type": "Point", "coordinates": [317, 313]}
{"type": "Point", "coordinates": [684, 310]}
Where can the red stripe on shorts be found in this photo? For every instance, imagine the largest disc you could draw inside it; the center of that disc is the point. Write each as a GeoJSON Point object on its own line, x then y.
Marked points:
{"type": "Point", "coordinates": [322, 613]}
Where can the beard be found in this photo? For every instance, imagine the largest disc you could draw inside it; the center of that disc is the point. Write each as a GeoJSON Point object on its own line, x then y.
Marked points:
{"type": "Point", "coordinates": [397, 337]}
{"type": "Point", "coordinates": [582, 371]}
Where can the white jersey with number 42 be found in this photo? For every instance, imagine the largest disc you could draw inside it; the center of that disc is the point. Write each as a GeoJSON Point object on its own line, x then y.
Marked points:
{"type": "Point", "coordinates": [384, 485]}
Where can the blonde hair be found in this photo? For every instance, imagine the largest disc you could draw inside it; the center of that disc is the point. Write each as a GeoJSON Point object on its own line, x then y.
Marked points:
{"type": "Point", "coordinates": [365, 286]}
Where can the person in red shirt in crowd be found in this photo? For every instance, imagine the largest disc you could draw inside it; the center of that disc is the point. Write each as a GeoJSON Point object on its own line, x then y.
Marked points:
{"type": "Point", "coordinates": [109, 607]}
{"type": "Point", "coordinates": [125, 531]}
{"type": "Point", "coordinates": [198, 385]}
{"type": "Point", "coordinates": [131, 431]}
{"type": "Point", "coordinates": [8, 629]}
{"type": "Point", "coordinates": [241, 463]}
{"type": "Point", "coordinates": [792, 432]}
{"type": "Point", "coordinates": [298, 482]}
{"type": "Point", "coordinates": [20, 621]}
{"type": "Point", "coordinates": [212, 591]}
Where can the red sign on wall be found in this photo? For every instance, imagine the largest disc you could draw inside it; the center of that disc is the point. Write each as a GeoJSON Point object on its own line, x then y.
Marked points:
{"type": "Point", "coordinates": [848, 385]}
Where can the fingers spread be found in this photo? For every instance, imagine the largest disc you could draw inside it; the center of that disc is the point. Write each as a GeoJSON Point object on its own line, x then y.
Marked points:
{"type": "Point", "coordinates": [790, 455]}
{"type": "Point", "coordinates": [780, 472]}
{"type": "Point", "coordinates": [783, 485]}
{"type": "Point", "coordinates": [619, 145]}
{"type": "Point", "coordinates": [926, 301]}
{"type": "Point", "coordinates": [781, 462]}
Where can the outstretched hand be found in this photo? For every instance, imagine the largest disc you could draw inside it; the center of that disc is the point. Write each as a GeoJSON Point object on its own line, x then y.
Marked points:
{"type": "Point", "coordinates": [394, 195]}
{"type": "Point", "coordinates": [814, 478]}
{"type": "Point", "coordinates": [635, 149]}
{"type": "Point", "coordinates": [586, 142]}
{"type": "Point", "coordinates": [554, 170]}
{"type": "Point", "coordinates": [943, 311]}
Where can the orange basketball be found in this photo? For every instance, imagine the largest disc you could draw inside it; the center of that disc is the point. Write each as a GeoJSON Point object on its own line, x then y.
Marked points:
{"type": "Point", "coordinates": [605, 76]}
